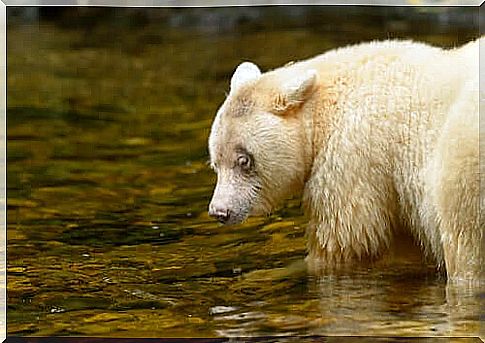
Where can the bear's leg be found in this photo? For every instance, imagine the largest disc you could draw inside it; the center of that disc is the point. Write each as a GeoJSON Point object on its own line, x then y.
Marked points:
{"type": "Point", "coordinates": [457, 203]}
{"type": "Point", "coordinates": [453, 180]}
{"type": "Point", "coordinates": [350, 196]}
{"type": "Point", "coordinates": [352, 214]}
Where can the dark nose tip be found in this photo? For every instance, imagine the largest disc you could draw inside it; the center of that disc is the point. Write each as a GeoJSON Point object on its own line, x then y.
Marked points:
{"type": "Point", "coordinates": [222, 215]}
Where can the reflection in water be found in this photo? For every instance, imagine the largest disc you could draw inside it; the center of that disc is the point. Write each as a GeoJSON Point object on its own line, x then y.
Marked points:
{"type": "Point", "coordinates": [108, 190]}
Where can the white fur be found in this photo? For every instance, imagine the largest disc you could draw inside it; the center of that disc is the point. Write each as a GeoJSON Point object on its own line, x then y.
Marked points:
{"type": "Point", "coordinates": [296, 89]}
{"type": "Point", "coordinates": [244, 73]}
{"type": "Point", "coordinates": [386, 139]}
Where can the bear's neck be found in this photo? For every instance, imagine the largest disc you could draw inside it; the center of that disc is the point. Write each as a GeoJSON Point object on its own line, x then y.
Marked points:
{"type": "Point", "coordinates": [318, 120]}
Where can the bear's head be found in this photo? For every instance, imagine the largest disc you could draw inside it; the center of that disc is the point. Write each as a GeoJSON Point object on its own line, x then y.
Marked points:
{"type": "Point", "coordinates": [260, 142]}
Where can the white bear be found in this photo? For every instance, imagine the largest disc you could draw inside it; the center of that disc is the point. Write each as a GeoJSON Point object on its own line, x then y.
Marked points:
{"type": "Point", "coordinates": [378, 137]}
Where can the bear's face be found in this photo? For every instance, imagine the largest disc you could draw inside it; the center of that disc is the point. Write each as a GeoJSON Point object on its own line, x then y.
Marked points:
{"type": "Point", "coordinates": [256, 146]}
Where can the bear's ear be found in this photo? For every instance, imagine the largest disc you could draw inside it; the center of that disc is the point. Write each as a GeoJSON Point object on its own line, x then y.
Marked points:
{"type": "Point", "coordinates": [296, 91]}
{"type": "Point", "coordinates": [245, 72]}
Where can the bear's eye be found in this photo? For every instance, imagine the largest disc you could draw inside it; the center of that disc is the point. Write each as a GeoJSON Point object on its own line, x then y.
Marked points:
{"type": "Point", "coordinates": [243, 162]}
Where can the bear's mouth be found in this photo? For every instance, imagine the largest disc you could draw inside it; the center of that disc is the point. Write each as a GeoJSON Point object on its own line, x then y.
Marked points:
{"type": "Point", "coordinates": [238, 217]}
{"type": "Point", "coordinates": [230, 217]}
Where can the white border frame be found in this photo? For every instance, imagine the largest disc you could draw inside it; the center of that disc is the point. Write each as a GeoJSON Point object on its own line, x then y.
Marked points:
{"type": "Point", "coordinates": [3, 171]}
{"type": "Point", "coordinates": [174, 3]}
{"type": "Point", "coordinates": [235, 3]}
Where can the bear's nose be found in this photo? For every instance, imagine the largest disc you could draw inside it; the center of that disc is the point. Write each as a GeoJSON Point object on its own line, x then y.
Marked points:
{"type": "Point", "coordinates": [221, 214]}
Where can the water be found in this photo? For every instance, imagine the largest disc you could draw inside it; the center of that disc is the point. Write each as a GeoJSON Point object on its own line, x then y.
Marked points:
{"type": "Point", "coordinates": [108, 188]}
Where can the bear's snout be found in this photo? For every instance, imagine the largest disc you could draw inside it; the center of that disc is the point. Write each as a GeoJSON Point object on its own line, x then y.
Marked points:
{"type": "Point", "coordinates": [221, 213]}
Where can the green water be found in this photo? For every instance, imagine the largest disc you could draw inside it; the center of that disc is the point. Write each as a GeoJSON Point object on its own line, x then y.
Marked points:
{"type": "Point", "coordinates": [108, 189]}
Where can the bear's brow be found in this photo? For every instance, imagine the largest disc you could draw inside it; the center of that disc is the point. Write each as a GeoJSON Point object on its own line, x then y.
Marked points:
{"type": "Point", "coordinates": [241, 106]}
{"type": "Point", "coordinates": [241, 149]}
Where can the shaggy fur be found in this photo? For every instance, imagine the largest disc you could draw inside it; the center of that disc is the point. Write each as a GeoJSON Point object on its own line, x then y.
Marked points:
{"type": "Point", "coordinates": [377, 136]}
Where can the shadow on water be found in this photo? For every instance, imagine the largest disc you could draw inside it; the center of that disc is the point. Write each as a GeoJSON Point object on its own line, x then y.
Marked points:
{"type": "Point", "coordinates": [108, 184]}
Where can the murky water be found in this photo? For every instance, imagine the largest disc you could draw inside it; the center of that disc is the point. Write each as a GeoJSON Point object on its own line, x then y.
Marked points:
{"type": "Point", "coordinates": [108, 188]}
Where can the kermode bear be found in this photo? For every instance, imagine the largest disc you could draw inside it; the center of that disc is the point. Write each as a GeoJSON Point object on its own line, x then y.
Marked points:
{"type": "Point", "coordinates": [377, 137]}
